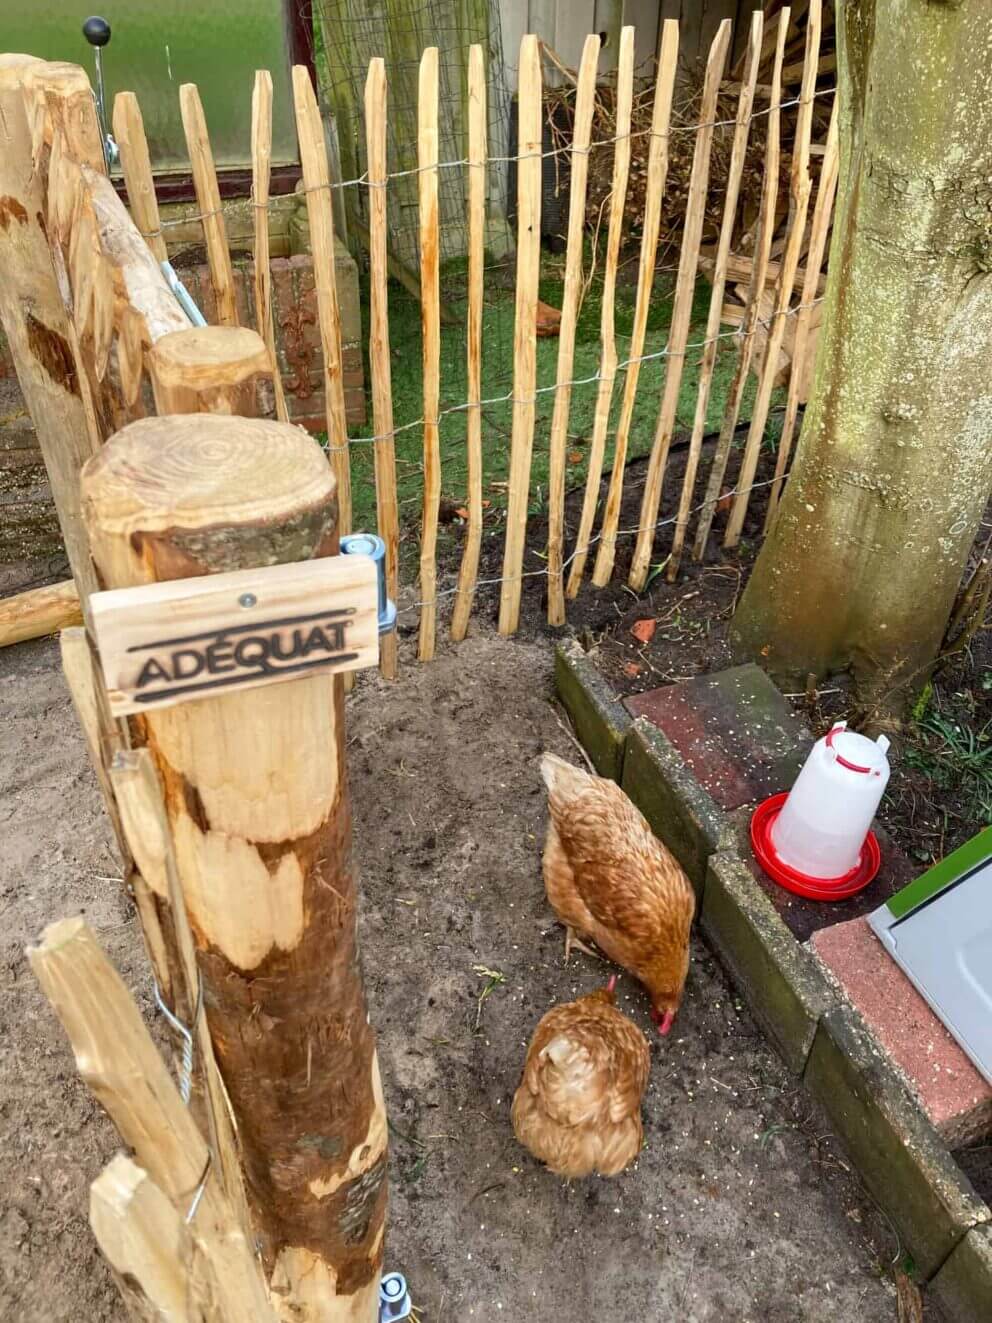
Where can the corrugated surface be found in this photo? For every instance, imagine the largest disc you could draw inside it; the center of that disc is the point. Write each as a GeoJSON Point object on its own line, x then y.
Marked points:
{"type": "Point", "coordinates": [159, 44]}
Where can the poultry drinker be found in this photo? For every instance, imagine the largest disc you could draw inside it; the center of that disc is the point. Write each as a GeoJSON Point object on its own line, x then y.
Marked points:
{"type": "Point", "coordinates": [816, 840]}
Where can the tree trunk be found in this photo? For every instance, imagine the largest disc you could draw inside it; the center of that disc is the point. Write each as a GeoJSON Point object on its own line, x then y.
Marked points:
{"type": "Point", "coordinates": [258, 806]}
{"type": "Point", "coordinates": [894, 466]}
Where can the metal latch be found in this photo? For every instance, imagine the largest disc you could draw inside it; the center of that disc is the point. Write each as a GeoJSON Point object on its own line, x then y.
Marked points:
{"type": "Point", "coordinates": [367, 544]}
{"type": "Point", "coordinates": [394, 1298]}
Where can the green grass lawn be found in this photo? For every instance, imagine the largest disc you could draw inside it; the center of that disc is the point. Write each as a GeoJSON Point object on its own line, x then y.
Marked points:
{"type": "Point", "coordinates": [404, 324]}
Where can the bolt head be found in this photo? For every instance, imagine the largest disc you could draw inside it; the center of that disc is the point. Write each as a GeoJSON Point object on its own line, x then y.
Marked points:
{"type": "Point", "coordinates": [247, 599]}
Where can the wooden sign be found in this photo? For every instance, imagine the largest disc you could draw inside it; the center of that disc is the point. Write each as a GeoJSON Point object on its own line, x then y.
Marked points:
{"type": "Point", "coordinates": [167, 643]}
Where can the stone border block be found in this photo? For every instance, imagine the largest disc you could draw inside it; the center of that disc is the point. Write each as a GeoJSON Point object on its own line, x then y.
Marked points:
{"type": "Point", "coordinates": [898, 1154]}
{"type": "Point", "coordinates": [963, 1287]}
{"type": "Point", "coordinates": [778, 979]}
{"type": "Point", "coordinates": [600, 721]}
{"type": "Point", "coordinates": [680, 811]}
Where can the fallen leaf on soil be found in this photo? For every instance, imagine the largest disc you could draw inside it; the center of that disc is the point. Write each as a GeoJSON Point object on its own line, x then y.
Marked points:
{"type": "Point", "coordinates": [643, 630]}
{"type": "Point", "coordinates": [632, 668]}
{"type": "Point", "coordinates": [461, 512]}
{"type": "Point", "coordinates": [575, 457]}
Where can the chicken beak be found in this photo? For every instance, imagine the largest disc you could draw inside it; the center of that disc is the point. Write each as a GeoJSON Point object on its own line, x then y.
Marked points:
{"type": "Point", "coordinates": [666, 1022]}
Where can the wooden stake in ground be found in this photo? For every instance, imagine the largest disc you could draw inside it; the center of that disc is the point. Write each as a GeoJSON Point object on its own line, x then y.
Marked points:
{"type": "Point", "coordinates": [430, 321]}
{"type": "Point", "coordinates": [529, 143]}
{"type": "Point", "coordinates": [476, 101]}
{"type": "Point", "coordinates": [734, 171]}
{"type": "Point", "coordinates": [39, 611]}
{"type": "Point", "coordinates": [759, 270]}
{"type": "Point", "coordinates": [121, 1066]}
{"type": "Point", "coordinates": [270, 894]}
{"type": "Point", "coordinates": [585, 96]}
{"type": "Point", "coordinates": [380, 368]}
{"type": "Point", "coordinates": [35, 321]}
{"type": "Point", "coordinates": [608, 356]}
{"type": "Point", "coordinates": [261, 172]}
{"type": "Point", "coordinates": [681, 309]}
{"type": "Point", "coordinates": [208, 200]}
{"type": "Point", "coordinates": [819, 229]}
{"type": "Point", "coordinates": [209, 369]}
{"type": "Point", "coordinates": [800, 187]}
{"type": "Point", "coordinates": [657, 172]}
{"type": "Point", "coordinates": [317, 182]}
{"type": "Point", "coordinates": [129, 134]}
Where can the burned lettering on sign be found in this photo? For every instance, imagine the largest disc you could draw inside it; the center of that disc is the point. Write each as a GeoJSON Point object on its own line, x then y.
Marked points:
{"type": "Point", "coordinates": [226, 657]}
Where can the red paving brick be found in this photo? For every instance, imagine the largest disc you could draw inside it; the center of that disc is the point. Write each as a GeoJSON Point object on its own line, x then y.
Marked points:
{"type": "Point", "coordinates": [953, 1093]}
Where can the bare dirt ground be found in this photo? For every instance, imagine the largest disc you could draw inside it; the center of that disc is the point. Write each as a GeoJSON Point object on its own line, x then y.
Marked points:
{"type": "Point", "coordinates": [740, 1206]}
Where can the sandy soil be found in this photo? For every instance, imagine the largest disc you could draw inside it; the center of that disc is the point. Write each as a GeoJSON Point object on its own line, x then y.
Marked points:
{"type": "Point", "coordinates": [739, 1207]}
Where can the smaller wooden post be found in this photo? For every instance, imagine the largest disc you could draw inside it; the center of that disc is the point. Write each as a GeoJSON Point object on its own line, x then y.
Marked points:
{"type": "Point", "coordinates": [209, 369]}
{"type": "Point", "coordinates": [129, 134]}
{"type": "Point", "coordinates": [208, 200]}
{"type": "Point", "coordinates": [261, 173]}
{"type": "Point", "coordinates": [529, 144]}
{"type": "Point", "coordinates": [379, 362]}
{"type": "Point", "coordinates": [430, 321]}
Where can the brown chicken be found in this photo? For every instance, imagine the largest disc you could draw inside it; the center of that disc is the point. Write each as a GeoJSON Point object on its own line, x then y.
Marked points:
{"type": "Point", "coordinates": [548, 319]}
{"type": "Point", "coordinates": [609, 878]}
{"type": "Point", "coordinates": [578, 1107]}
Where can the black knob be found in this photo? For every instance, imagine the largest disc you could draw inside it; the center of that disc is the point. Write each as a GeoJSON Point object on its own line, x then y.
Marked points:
{"type": "Point", "coordinates": [96, 30]}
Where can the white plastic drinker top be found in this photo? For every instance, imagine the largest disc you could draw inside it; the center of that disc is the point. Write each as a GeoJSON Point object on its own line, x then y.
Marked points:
{"type": "Point", "coordinates": [822, 826]}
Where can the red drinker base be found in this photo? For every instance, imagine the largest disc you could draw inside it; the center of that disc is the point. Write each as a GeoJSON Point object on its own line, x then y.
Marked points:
{"type": "Point", "coordinates": [801, 884]}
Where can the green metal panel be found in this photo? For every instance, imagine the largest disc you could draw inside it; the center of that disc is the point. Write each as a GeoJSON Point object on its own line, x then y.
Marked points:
{"type": "Point", "coordinates": [159, 44]}
{"type": "Point", "coordinates": [963, 860]}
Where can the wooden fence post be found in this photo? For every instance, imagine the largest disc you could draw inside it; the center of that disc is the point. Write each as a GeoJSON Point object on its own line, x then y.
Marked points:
{"type": "Point", "coordinates": [681, 309]}
{"type": "Point", "coordinates": [529, 162]}
{"type": "Point", "coordinates": [607, 370]}
{"type": "Point", "coordinates": [255, 791]}
{"type": "Point", "coordinates": [380, 368]}
{"type": "Point", "coordinates": [208, 200]}
{"type": "Point", "coordinates": [430, 322]}
{"type": "Point", "coordinates": [35, 321]}
{"type": "Point", "coordinates": [261, 175]}
{"type": "Point", "coordinates": [585, 96]}
{"type": "Point", "coordinates": [209, 369]}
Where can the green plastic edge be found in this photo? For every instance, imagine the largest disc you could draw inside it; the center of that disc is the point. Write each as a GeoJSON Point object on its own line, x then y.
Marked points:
{"type": "Point", "coordinates": [964, 858]}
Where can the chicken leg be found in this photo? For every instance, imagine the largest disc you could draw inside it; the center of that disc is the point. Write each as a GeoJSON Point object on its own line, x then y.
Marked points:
{"type": "Point", "coordinates": [571, 940]}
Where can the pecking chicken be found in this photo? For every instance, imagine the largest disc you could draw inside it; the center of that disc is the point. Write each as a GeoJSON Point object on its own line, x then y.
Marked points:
{"type": "Point", "coordinates": [608, 877]}
{"type": "Point", "coordinates": [578, 1107]}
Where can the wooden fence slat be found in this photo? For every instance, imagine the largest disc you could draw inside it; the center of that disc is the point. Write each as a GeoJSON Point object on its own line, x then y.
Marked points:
{"type": "Point", "coordinates": [682, 308]}
{"type": "Point", "coordinates": [657, 173]}
{"type": "Point", "coordinates": [317, 182]}
{"type": "Point", "coordinates": [529, 143]}
{"type": "Point", "coordinates": [799, 191]}
{"type": "Point", "coordinates": [430, 320]}
{"type": "Point", "coordinates": [819, 229]}
{"type": "Point", "coordinates": [585, 98]}
{"type": "Point", "coordinates": [261, 172]}
{"type": "Point", "coordinates": [762, 252]}
{"type": "Point", "coordinates": [476, 103]}
{"type": "Point", "coordinates": [608, 353]}
{"type": "Point", "coordinates": [208, 200]}
{"type": "Point", "coordinates": [734, 172]}
{"type": "Point", "coordinates": [379, 362]}
{"type": "Point", "coordinates": [129, 134]}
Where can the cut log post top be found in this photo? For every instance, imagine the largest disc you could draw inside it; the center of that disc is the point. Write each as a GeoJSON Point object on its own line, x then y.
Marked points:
{"type": "Point", "coordinates": [209, 369]}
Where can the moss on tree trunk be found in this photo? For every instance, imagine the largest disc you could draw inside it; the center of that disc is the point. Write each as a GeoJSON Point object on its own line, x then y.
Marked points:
{"type": "Point", "coordinates": [894, 465]}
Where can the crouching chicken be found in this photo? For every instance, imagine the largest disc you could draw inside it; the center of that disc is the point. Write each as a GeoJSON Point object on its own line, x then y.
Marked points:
{"type": "Point", "coordinates": [578, 1107]}
{"type": "Point", "coordinates": [609, 878]}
